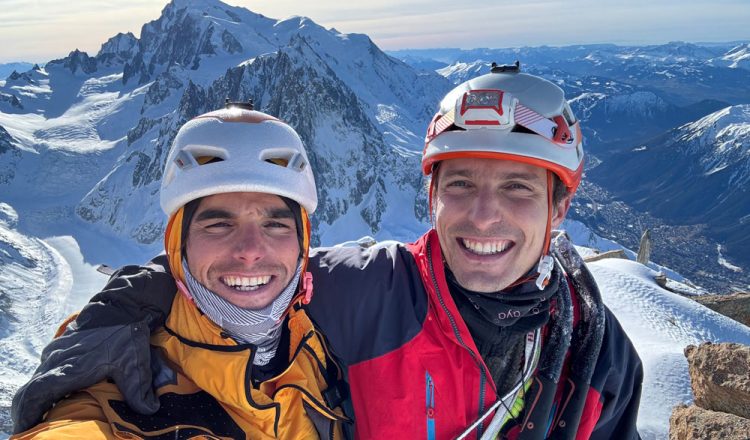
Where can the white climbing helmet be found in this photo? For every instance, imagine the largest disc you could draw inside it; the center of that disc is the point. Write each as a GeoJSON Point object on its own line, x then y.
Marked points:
{"type": "Point", "coordinates": [236, 149]}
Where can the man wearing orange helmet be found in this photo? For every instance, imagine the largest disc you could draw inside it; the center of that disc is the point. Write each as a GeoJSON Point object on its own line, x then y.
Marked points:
{"type": "Point", "coordinates": [489, 325]}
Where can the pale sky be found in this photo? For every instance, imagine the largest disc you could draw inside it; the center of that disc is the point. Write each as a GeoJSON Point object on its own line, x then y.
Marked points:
{"type": "Point", "coordinates": [40, 30]}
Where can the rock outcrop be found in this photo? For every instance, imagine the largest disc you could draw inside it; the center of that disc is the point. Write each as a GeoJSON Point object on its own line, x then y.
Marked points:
{"type": "Point", "coordinates": [720, 379]}
{"type": "Point", "coordinates": [735, 306]}
{"type": "Point", "coordinates": [693, 422]}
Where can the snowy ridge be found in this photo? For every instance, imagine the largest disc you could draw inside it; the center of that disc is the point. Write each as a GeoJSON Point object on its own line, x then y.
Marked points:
{"type": "Point", "coordinates": [737, 57]}
{"type": "Point", "coordinates": [459, 71]}
{"type": "Point", "coordinates": [719, 141]}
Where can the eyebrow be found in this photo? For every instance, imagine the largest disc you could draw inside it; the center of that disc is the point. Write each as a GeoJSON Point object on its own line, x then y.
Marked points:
{"type": "Point", "coordinates": [280, 213]}
{"type": "Point", "coordinates": [506, 176]}
{"type": "Point", "coordinates": [213, 214]}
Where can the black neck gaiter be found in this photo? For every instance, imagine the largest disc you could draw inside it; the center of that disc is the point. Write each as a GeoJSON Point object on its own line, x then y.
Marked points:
{"type": "Point", "coordinates": [498, 323]}
{"type": "Point", "coordinates": [524, 307]}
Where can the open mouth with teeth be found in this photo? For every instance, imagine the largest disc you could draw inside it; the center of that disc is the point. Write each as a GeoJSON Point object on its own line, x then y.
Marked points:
{"type": "Point", "coordinates": [246, 284]}
{"type": "Point", "coordinates": [486, 247]}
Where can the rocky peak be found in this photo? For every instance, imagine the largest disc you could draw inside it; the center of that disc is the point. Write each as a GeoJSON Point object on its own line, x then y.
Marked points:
{"type": "Point", "coordinates": [118, 49]}
{"type": "Point", "coordinates": [77, 62]}
{"type": "Point", "coordinates": [190, 30]}
{"type": "Point", "coordinates": [9, 103]}
{"type": "Point", "coordinates": [9, 156]}
{"type": "Point", "coordinates": [20, 77]}
{"type": "Point", "coordinates": [6, 140]}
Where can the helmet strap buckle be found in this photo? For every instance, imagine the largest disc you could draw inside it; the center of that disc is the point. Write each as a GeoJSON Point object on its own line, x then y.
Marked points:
{"type": "Point", "coordinates": [307, 287]}
{"type": "Point", "coordinates": [546, 263]}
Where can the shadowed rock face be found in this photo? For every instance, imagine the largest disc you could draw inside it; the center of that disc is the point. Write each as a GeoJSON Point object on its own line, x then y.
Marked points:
{"type": "Point", "coordinates": [735, 306]}
{"type": "Point", "coordinates": [695, 423]}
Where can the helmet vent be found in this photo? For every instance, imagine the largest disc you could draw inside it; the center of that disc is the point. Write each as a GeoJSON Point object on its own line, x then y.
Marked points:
{"type": "Point", "coordinates": [189, 158]}
{"type": "Point", "coordinates": [291, 160]}
{"type": "Point", "coordinates": [521, 129]}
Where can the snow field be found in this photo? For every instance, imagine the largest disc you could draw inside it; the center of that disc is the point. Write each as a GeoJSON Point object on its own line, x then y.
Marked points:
{"type": "Point", "coordinates": [660, 324]}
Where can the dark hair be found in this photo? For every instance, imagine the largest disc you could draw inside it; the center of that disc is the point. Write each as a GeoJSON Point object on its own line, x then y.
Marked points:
{"type": "Point", "coordinates": [187, 216]}
{"type": "Point", "coordinates": [559, 190]}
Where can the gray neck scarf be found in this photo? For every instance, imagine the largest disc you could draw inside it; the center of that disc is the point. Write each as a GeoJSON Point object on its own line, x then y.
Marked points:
{"type": "Point", "coordinates": [261, 328]}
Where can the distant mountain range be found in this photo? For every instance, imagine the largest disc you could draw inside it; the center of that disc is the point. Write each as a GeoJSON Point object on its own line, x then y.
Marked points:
{"type": "Point", "coordinates": [8, 68]}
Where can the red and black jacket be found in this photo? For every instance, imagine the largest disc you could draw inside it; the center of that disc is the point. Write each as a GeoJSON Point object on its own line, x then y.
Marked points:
{"type": "Point", "coordinates": [415, 373]}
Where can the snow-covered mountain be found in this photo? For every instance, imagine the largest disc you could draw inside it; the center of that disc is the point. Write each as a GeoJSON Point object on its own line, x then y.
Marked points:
{"type": "Point", "coordinates": [682, 73]}
{"type": "Point", "coordinates": [737, 57]}
{"type": "Point", "coordinates": [86, 137]}
{"type": "Point", "coordinates": [8, 68]}
{"type": "Point", "coordinates": [698, 173]}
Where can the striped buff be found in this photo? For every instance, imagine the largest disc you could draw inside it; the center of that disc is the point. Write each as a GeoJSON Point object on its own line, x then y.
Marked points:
{"type": "Point", "coordinates": [261, 328]}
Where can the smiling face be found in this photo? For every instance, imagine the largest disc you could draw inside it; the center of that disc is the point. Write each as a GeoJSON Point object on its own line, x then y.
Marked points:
{"type": "Point", "coordinates": [243, 247]}
{"type": "Point", "coordinates": [491, 219]}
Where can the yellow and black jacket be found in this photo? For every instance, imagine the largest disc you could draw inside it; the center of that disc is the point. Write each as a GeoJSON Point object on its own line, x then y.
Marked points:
{"type": "Point", "coordinates": [203, 383]}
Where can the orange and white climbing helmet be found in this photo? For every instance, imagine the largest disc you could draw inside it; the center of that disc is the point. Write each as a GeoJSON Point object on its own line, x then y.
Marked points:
{"type": "Point", "coordinates": [507, 115]}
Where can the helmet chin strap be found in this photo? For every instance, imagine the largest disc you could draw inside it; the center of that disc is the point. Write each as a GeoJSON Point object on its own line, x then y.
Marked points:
{"type": "Point", "coordinates": [546, 262]}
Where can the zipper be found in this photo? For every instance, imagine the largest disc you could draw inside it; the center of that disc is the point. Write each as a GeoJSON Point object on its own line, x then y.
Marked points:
{"type": "Point", "coordinates": [430, 405]}
{"type": "Point", "coordinates": [479, 364]}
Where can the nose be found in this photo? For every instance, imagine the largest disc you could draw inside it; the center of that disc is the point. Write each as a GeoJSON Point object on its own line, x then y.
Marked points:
{"type": "Point", "coordinates": [248, 244]}
{"type": "Point", "coordinates": [485, 209]}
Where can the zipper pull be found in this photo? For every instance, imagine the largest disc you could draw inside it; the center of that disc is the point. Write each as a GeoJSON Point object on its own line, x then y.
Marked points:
{"type": "Point", "coordinates": [430, 405]}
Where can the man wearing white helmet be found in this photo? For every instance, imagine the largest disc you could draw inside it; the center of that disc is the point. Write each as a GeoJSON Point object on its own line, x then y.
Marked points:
{"type": "Point", "coordinates": [489, 325]}
{"type": "Point", "coordinates": [237, 357]}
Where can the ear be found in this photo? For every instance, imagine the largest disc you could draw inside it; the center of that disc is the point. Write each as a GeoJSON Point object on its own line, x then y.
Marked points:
{"type": "Point", "coordinates": [561, 210]}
